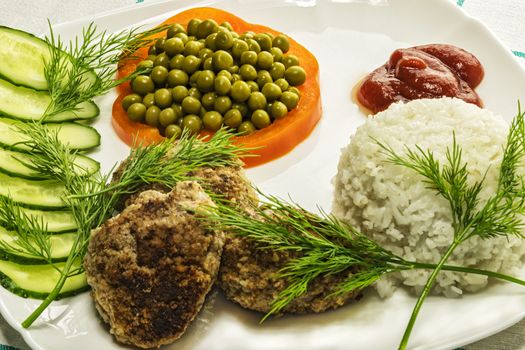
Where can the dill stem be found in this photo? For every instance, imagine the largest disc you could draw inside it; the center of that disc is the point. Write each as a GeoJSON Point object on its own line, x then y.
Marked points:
{"type": "Point", "coordinates": [54, 293]}
{"type": "Point", "coordinates": [424, 293]}
{"type": "Point", "coordinates": [474, 271]}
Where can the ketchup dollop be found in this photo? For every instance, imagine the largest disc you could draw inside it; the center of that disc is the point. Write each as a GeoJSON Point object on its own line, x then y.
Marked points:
{"type": "Point", "coordinates": [426, 71]}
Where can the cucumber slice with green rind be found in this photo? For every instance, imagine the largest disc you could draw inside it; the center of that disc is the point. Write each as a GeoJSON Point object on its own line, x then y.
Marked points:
{"type": "Point", "coordinates": [75, 136]}
{"type": "Point", "coordinates": [55, 221]}
{"type": "Point", "coordinates": [37, 281]}
{"type": "Point", "coordinates": [14, 163]}
{"type": "Point", "coordinates": [23, 56]}
{"type": "Point", "coordinates": [32, 193]}
{"type": "Point", "coordinates": [60, 245]}
{"type": "Point", "coordinates": [27, 104]}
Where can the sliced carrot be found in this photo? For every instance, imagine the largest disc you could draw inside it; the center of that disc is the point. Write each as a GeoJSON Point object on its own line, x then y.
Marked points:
{"type": "Point", "coordinates": [271, 142]}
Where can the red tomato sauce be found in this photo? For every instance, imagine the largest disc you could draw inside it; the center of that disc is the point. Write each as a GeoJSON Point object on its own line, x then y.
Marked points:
{"type": "Point", "coordinates": [427, 71]}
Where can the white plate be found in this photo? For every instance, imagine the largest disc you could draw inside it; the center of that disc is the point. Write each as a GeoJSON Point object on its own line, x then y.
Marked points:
{"type": "Point", "coordinates": [349, 38]}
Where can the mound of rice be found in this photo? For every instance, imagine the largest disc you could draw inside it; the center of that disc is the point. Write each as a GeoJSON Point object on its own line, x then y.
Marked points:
{"type": "Point", "coordinates": [390, 203]}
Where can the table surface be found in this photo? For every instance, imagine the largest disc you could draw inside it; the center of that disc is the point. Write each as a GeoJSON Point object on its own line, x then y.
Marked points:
{"type": "Point", "coordinates": [503, 17]}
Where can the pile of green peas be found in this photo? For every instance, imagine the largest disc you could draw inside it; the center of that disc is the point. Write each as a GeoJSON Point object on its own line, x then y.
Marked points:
{"type": "Point", "coordinates": [208, 76]}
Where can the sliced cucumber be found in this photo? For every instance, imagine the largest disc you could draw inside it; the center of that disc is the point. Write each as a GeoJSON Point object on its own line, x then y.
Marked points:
{"type": "Point", "coordinates": [37, 281]}
{"type": "Point", "coordinates": [74, 135]}
{"type": "Point", "coordinates": [23, 57]}
{"type": "Point", "coordinates": [60, 246]}
{"type": "Point", "coordinates": [27, 104]}
{"type": "Point", "coordinates": [14, 163]}
{"type": "Point", "coordinates": [56, 221]}
{"type": "Point", "coordinates": [32, 193]}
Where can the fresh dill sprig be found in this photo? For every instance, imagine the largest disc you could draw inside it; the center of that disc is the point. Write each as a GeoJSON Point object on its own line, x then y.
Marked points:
{"type": "Point", "coordinates": [92, 199]}
{"type": "Point", "coordinates": [325, 246]}
{"type": "Point", "coordinates": [86, 68]}
{"type": "Point", "coordinates": [500, 216]}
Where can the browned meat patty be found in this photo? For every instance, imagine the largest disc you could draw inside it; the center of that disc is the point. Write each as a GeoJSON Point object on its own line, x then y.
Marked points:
{"type": "Point", "coordinates": [151, 266]}
{"type": "Point", "coordinates": [247, 277]}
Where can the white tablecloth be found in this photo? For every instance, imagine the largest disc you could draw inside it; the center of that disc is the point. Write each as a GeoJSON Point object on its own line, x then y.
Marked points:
{"type": "Point", "coordinates": [504, 17]}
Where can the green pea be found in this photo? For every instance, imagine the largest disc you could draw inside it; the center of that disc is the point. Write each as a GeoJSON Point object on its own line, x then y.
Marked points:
{"type": "Point", "coordinates": [159, 74]}
{"type": "Point", "coordinates": [202, 112]}
{"type": "Point", "coordinates": [142, 84]}
{"type": "Point", "coordinates": [246, 128]}
{"type": "Point", "coordinates": [253, 45]}
{"type": "Point", "coordinates": [183, 37]}
{"type": "Point", "coordinates": [163, 98]}
{"type": "Point", "coordinates": [238, 47]}
{"type": "Point", "coordinates": [208, 64]}
{"type": "Point", "coordinates": [193, 48]}
{"type": "Point", "coordinates": [193, 78]}
{"type": "Point", "coordinates": [247, 35]}
{"type": "Point", "coordinates": [205, 28]}
{"type": "Point", "coordinates": [290, 60]}
{"type": "Point", "coordinates": [289, 99]}
{"type": "Point", "coordinates": [249, 57]}
{"type": "Point", "coordinates": [137, 112]}
{"type": "Point", "coordinates": [236, 77]}
{"type": "Point", "coordinates": [281, 41]}
{"type": "Point", "coordinates": [149, 100]}
{"type": "Point", "coordinates": [227, 25]}
{"type": "Point", "coordinates": [295, 75]}
{"type": "Point", "coordinates": [282, 83]}
{"type": "Point", "coordinates": [179, 122]}
{"type": "Point", "coordinates": [234, 69]}
{"type": "Point", "coordinates": [191, 64]}
{"type": "Point", "coordinates": [248, 72]}
{"type": "Point", "coordinates": [205, 53]}
{"type": "Point", "coordinates": [173, 46]}
{"type": "Point", "coordinates": [232, 118]}
{"type": "Point", "coordinates": [152, 116]}
{"type": "Point", "coordinates": [167, 116]}
{"type": "Point", "coordinates": [177, 108]}
{"type": "Point", "coordinates": [222, 85]}
{"type": "Point", "coordinates": [205, 81]}
{"type": "Point", "coordinates": [159, 45]}
{"type": "Point", "coordinates": [208, 99]}
{"type": "Point", "coordinates": [253, 86]}
{"type": "Point", "coordinates": [212, 121]}
{"type": "Point", "coordinates": [260, 119]}
{"type": "Point", "coordinates": [210, 41]}
{"type": "Point", "coordinates": [174, 29]}
{"type": "Point", "coordinates": [263, 77]}
{"type": "Point", "coordinates": [257, 101]}
{"type": "Point", "coordinates": [241, 107]}
{"type": "Point", "coordinates": [264, 60]}
{"type": "Point", "coordinates": [278, 110]}
{"type": "Point", "coordinates": [277, 70]}
{"type": "Point", "coordinates": [177, 61]}
{"type": "Point", "coordinates": [222, 104]}
{"type": "Point", "coordinates": [240, 91]}
{"type": "Point", "coordinates": [173, 131]}
{"type": "Point", "coordinates": [162, 60]}
{"type": "Point", "coordinates": [225, 73]}
{"type": "Point", "coordinates": [222, 60]}
{"type": "Point", "coordinates": [130, 99]}
{"type": "Point", "coordinates": [294, 90]}
{"type": "Point", "coordinates": [177, 77]}
{"type": "Point", "coordinates": [193, 24]}
{"type": "Point", "coordinates": [271, 91]}
{"type": "Point", "coordinates": [264, 41]}
{"type": "Point", "coordinates": [192, 123]}
{"type": "Point", "coordinates": [194, 92]}
{"type": "Point", "coordinates": [151, 58]}
{"type": "Point", "coordinates": [277, 54]}
{"type": "Point", "coordinates": [224, 40]}
{"type": "Point", "coordinates": [152, 50]}
{"type": "Point", "coordinates": [191, 105]}
{"type": "Point", "coordinates": [145, 65]}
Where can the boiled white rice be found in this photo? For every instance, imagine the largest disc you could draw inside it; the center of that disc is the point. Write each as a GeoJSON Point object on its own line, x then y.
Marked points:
{"type": "Point", "coordinates": [392, 205]}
